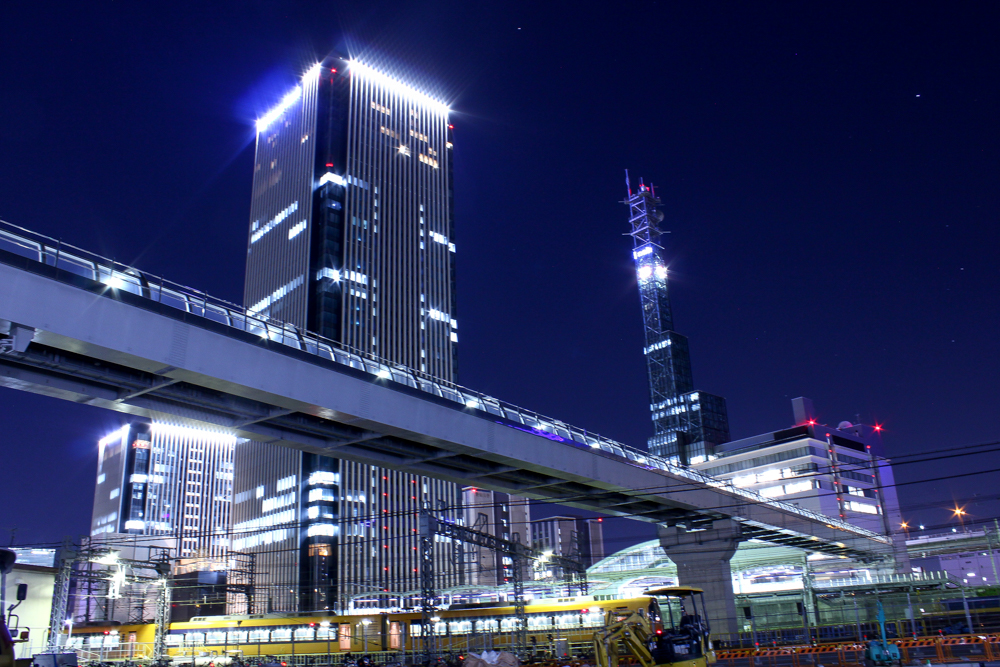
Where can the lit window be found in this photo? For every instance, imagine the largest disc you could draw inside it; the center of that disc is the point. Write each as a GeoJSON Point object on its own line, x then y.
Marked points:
{"type": "Point", "coordinates": [296, 230]}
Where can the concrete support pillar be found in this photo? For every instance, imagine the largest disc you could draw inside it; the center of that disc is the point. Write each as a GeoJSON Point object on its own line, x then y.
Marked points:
{"type": "Point", "coordinates": [702, 560]}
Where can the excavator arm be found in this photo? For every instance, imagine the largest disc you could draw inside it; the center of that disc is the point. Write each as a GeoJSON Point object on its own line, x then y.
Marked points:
{"type": "Point", "coordinates": [634, 631]}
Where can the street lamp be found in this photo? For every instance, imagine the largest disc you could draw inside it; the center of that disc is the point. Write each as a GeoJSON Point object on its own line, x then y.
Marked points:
{"type": "Point", "coordinates": [906, 529]}
{"type": "Point", "coordinates": [960, 513]}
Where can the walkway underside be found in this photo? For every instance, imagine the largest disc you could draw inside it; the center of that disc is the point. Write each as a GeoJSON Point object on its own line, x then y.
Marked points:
{"type": "Point", "coordinates": [111, 351]}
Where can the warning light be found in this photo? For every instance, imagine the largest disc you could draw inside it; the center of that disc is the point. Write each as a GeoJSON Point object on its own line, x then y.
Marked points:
{"type": "Point", "coordinates": [329, 164]}
{"type": "Point", "coordinates": [333, 69]}
{"type": "Point", "coordinates": [659, 631]}
{"type": "Point", "coordinates": [811, 422]}
{"type": "Point", "coordinates": [878, 427]}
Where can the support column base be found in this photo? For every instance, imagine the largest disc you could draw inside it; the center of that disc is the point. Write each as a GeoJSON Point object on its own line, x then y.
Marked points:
{"type": "Point", "coordinates": [702, 559]}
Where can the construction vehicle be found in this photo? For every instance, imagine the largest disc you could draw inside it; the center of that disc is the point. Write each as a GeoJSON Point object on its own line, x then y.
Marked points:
{"type": "Point", "coordinates": [881, 651]}
{"type": "Point", "coordinates": [668, 631]}
{"type": "Point", "coordinates": [7, 642]}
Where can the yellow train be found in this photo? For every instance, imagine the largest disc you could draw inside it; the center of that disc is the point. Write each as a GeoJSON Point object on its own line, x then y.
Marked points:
{"type": "Point", "coordinates": [553, 625]}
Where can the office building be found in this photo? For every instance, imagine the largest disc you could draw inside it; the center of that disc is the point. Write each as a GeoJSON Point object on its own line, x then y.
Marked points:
{"type": "Point", "coordinates": [687, 424]}
{"type": "Point", "coordinates": [501, 515]}
{"type": "Point", "coordinates": [570, 536]}
{"type": "Point", "coordinates": [837, 471]}
{"type": "Point", "coordinates": [165, 481]}
{"type": "Point", "coordinates": [160, 489]}
{"type": "Point", "coordinates": [351, 237]}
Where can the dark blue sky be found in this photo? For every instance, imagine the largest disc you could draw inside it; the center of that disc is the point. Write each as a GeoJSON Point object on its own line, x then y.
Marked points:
{"type": "Point", "coordinates": [829, 173]}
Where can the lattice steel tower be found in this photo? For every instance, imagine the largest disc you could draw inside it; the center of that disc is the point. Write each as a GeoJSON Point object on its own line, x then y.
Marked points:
{"type": "Point", "coordinates": [688, 424]}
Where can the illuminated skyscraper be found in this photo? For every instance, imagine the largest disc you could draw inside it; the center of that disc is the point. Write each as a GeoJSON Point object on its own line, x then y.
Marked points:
{"type": "Point", "coordinates": [351, 237]}
{"type": "Point", "coordinates": [688, 424]}
{"type": "Point", "coordinates": [168, 481]}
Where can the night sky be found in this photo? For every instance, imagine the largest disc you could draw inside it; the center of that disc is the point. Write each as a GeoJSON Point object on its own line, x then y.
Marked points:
{"type": "Point", "coordinates": [829, 174]}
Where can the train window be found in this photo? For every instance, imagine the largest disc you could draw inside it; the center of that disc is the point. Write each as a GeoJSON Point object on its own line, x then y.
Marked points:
{"type": "Point", "coordinates": [19, 246]}
{"type": "Point", "coordinates": [215, 636]}
{"type": "Point", "coordinates": [259, 635]}
{"type": "Point", "coordinates": [194, 638]}
{"type": "Point", "coordinates": [168, 297]}
{"type": "Point", "coordinates": [217, 314]}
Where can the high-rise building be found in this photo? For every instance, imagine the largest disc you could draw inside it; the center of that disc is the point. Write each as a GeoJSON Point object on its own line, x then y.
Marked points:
{"type": "Point", "coordinates": [501, 515]}
{"type": "Point", "coordinates": [351, 237]}
{"type": "Point", "coordinates": [166, 481]}
{"type": "Point", "coordinates": [160, 488]}
{"type": "Point", "coordinates": [570, 536]}
{"type": "Point", "coordinates": [688, 424]}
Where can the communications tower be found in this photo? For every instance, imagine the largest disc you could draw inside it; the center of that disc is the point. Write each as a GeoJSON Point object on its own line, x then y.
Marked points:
{"type": "Point", "coordinates": [688, 424]}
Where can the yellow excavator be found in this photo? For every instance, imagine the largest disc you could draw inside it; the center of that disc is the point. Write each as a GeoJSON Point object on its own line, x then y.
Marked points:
{"type": "Point", "coordinates": [670, 630]}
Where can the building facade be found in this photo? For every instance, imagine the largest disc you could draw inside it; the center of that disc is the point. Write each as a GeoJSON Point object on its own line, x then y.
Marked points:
{"type": "Point", "coordinates": [837, 471]}
{"type": "Point", "coordinates": [501, 515]}
{"type": "Point", "coordinates": [570, 536]}
{"type": "Point", "coordinates": [167, 481]}
{"type": "Point", "coordinates": [351, 237]}
{"type": "Point", "coordinates": [687, 424]}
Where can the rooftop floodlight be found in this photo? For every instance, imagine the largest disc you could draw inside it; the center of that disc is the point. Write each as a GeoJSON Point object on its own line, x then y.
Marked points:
{"type": "Point", "coordinates": [286, 102]}
{"type": "Point", "coordinates": [398, 87]}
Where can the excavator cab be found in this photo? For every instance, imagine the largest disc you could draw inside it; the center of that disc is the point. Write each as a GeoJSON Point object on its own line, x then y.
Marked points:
{"type": "Point", "coordinates": [669, 630]}
{"type": "Point", "coordinates": [680, 631]}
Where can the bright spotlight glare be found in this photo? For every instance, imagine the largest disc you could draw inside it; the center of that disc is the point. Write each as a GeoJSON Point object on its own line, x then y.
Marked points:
{"type": "Point", "coordinates": [287, 101]}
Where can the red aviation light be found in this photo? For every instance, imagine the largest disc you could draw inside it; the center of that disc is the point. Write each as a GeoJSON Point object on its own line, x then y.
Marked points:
{"type": "Point", "coordinates": [878, 427]}
{"type": "Point", "coordinates": [450, 126]}
{"type": "Point", "coordinates": [333, 69]}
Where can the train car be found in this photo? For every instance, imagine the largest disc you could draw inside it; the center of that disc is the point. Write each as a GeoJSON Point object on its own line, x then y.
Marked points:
{"type": "Point", "coordinates": [218, 640]}
{"type": "Point", "coordinates": [112, 642]}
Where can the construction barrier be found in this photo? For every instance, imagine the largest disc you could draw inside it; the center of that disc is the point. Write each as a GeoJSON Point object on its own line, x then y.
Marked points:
{"type": "Point", "coordinates": [951, 649]}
